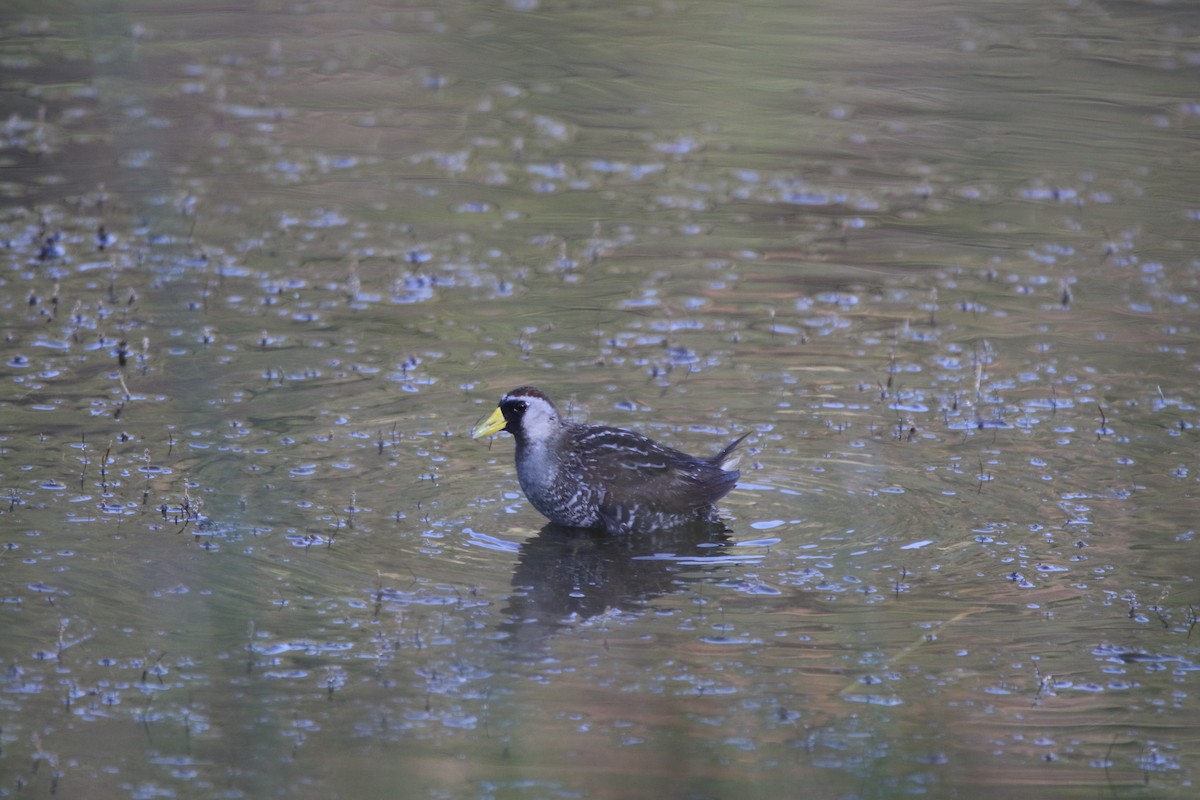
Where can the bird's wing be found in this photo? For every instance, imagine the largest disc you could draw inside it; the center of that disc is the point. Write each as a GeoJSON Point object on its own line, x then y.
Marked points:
{"type": "Point", "coordinates": [640, 471]}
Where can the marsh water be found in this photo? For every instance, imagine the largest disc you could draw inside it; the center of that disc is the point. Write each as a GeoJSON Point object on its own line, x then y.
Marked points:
{"type": "Point", "coordinates": [265, 265]}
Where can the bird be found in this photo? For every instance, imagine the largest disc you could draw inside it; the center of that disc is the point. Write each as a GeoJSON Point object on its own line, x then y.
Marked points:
{"type": "Point", "coordinates": [600, 477]}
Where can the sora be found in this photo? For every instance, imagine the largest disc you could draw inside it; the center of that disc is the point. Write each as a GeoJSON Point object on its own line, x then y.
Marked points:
{"type": "Point", "coordinates": [594, 476]}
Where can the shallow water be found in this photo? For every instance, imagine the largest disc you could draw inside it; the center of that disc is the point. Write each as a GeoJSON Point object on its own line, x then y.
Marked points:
{"type": "Point", "coordinates": [264, 269]}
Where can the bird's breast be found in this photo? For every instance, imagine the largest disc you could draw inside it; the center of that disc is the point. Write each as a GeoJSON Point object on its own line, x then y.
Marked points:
{"type": "Point", "coordinates": [537, 466]}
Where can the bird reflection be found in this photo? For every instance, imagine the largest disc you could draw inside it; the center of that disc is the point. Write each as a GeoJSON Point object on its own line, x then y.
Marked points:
{"type": "Point", "coordinates": [565, 575]}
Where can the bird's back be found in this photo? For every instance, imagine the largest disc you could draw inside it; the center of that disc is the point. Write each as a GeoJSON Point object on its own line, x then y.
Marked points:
{"type": "Point", "coordinates": [637, 473]}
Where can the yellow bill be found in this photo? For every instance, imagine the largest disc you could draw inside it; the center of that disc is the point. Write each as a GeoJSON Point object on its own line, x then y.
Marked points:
{"type": "Point", "coordinates": [493, 424]}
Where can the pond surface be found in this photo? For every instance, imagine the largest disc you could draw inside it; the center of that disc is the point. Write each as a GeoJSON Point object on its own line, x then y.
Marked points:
{"type": "Point", "coordinates": [264, 268]}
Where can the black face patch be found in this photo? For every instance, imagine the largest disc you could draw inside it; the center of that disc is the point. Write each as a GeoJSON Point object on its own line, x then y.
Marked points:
{"type": "Point", "coordinates": [513, 409]}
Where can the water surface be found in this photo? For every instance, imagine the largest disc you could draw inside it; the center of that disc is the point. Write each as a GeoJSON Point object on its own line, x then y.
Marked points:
{"type": "Point", "coordinates": [265, 267]}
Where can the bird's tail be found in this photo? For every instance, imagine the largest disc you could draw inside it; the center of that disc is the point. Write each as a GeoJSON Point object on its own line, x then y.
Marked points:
{"type": "Point", "coordinates": [723, 460]}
